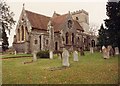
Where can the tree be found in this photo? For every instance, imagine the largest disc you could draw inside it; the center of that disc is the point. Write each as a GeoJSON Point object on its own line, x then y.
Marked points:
{"type": "Point", "coordinates": [113, 23]}
{"type": "Point", "coordinates": [6, 22]}
{"type": "Point", "coordinates": [93, 29]}
{"type": "Point", "coordinates": [102, 39]}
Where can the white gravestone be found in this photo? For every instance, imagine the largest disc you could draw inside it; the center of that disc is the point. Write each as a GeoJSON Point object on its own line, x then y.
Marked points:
{"type": "Point", "coordinates": [34, 56]}
{"type": "Point", "coordinates": [15, 52]}
{"type": "Point", "coordinates": [91, 50]}
{"type": "Point", "coordinates": [116, 51]}
{"type": "Point", "coordinates": [75, 56]}
{"type": "Point", "coordinates": [105, 52]}
{"type": "Point", "coordinates": [51, 54]}
{"type": "Point", "coordinates": [65, 58]}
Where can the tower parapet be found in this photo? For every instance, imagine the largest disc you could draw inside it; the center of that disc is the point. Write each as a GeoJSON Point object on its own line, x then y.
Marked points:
{"type": "Point", "coordinates": [79, 11]}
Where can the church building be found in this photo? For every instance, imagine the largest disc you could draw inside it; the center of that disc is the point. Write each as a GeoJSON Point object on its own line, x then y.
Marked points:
{"type": "Point", "coordinates": [35, 32]}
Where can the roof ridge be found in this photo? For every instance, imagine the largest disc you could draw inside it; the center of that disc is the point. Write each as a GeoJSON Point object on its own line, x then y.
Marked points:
{"type": "Point", "coordinates": [37, 13]}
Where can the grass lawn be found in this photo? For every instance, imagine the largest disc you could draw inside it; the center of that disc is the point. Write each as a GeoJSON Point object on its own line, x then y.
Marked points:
{"type": "Point", "coordinates": [90, 69]}
{"type": "Point", "coordinates": [5, 56]}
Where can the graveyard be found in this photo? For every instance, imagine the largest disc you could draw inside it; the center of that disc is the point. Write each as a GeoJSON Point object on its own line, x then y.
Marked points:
{"type": "Point", "coordinates": [89, 69]}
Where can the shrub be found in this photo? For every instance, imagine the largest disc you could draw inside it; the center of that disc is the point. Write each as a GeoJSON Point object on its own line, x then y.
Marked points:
{"type": "Point", "coordinates": [43, 54]}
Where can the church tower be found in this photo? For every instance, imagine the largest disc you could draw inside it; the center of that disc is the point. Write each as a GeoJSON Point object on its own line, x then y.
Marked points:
{"type": "Point", "coordinates": [83, 18]}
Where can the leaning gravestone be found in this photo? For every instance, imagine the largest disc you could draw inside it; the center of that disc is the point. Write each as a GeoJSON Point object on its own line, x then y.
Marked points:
{"type": "Point", "coordinates": [116, 51]}
{"type": "Point", "coordinates": [105, 52]}
{"type": "Point", "coordinates": [34, 56]}
{"type": "Point", "coordinates": [91, 50]}
{"type": "Point", "coordinates": [65, 58]}
{"type": "Point", "coordinates": [75, 56]}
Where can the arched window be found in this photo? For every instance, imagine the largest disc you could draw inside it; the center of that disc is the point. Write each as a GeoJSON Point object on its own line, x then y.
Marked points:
{"type": "Point", "coordinates": [73, 38]}
{"type": "Point", "coordinates": [40, 42]}
{"type": "Point", "coordinates": [56, 46]}
{"type": "Point", "coordinates": [26, 33]}
{"type": "Point", "coordinates": [69, 23]}
{"type": "Point", "coordinates": [18, 34]}
{"type": "Point", "coordinates": [67, 38]}
{"type": "Point", "coordinates": [22, 33]}
{"type": "Point", "coordinates": [93, 43]}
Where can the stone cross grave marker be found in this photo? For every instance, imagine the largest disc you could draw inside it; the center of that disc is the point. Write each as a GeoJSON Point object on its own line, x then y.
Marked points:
{"type": "Point", "coordinates": [75, 56]}
{"type": "Point", "coordinates": [65, 58]}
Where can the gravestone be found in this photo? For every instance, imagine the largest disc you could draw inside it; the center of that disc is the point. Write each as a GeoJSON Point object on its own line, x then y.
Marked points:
{"type": "Point", "coordinates": [110, 50]}
{"type": "Point", "coordinates": [116, 51]}
{"type": "Point", "coordinates": [65, 58]}
{"type": "Point", "coordinates": [105, 52]}
{"type": "Point", "coordinates": [51, 54]}
{"type": "Point", "coordinates": [91, 50]}
{"type": "Point", "coordinates": [15, 52]}
{"type": "Point", "coordinates": [75, 56]}
{"type": "Point", "coordinates": [59, 56]}
{"type": "Point", "coordinates": [34, 56]}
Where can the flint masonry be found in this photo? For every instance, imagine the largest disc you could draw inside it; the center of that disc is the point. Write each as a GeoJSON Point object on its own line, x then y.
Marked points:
{"type": "Point", "coordinates": [35, 32]}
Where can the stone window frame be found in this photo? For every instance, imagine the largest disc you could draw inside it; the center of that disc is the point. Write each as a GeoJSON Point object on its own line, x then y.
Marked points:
{"type": "Point", "coordinates": [57, 45]}
{"type": "Point", "coordinates": [47, 42]}
{"type": "Point", "coordinates": [73, 38]}
{"type": "Point", "coordinates": [22, 30]}
{"type": "Point", "coordinates": [67, 37]}
{"type": "Point", "coordinates": [18, 34]}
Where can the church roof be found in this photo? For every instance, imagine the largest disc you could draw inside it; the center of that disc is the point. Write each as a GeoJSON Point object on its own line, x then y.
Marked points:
{"type": "Point", "coordinates": [58, 23]}
{"type": "Point", "coordinates": [37, 21]}
{"type": "Point", "coordinates": [77, 25]}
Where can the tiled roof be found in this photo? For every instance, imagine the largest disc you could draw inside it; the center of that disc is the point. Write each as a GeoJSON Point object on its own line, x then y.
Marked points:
{"type": "Point", "coordinates": [37, 21]}
{"type": "Point", "coordinates": [77, 25]}
{"type": "Point", "coordinates": [58, 23]}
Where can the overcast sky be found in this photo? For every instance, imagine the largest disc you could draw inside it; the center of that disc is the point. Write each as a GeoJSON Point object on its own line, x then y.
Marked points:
{"type": "Point", "coordinates": [95, 8]}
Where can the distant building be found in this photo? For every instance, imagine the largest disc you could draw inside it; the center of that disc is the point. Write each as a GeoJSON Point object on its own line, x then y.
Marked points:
{"type": "Point", "coordinates": [35, 32]}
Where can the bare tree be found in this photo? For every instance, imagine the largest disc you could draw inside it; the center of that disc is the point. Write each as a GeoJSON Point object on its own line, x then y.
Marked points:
{"type": "Point", "coordinates": [93, 29]}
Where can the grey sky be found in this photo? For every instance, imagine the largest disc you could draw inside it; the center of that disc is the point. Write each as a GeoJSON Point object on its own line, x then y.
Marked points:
{"type": "Point", "coordinates": [96, 10]}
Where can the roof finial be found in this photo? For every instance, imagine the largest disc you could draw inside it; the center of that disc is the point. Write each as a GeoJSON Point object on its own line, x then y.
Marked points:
{"type": "Point", "coordinates": [23, 5]}
{"type": "Point", "coordinates": [69, 12]}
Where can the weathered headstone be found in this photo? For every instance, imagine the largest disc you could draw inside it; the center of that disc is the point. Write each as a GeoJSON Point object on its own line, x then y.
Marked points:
{"type": "Point", "coordinates": [59, 56]}
{"type": "Point", "coordinates": [110, 50]}
{"type": "Point", "coordinates": [105, 52]}
{"type": "Point", "coordinates": [75, 56]}
{"type": "Point", "coordinates": [15, 52]}
{"type": "Point", "coordinates": [91, 50]}
{"type": "Point", "coordinates": [65, 58]}
{"type": "Point", "coordinates": [116, 51]}
{"type": "Point", "coordinates": [51, 54]}
{"type": "Point", "coordinates": [34, 56]}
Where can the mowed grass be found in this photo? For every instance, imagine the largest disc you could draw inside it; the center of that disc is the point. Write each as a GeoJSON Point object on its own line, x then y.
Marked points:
{"type": "Point", "coordinates": [90, 69]}
{"type": "Point", "coordinates": [5, 56]}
